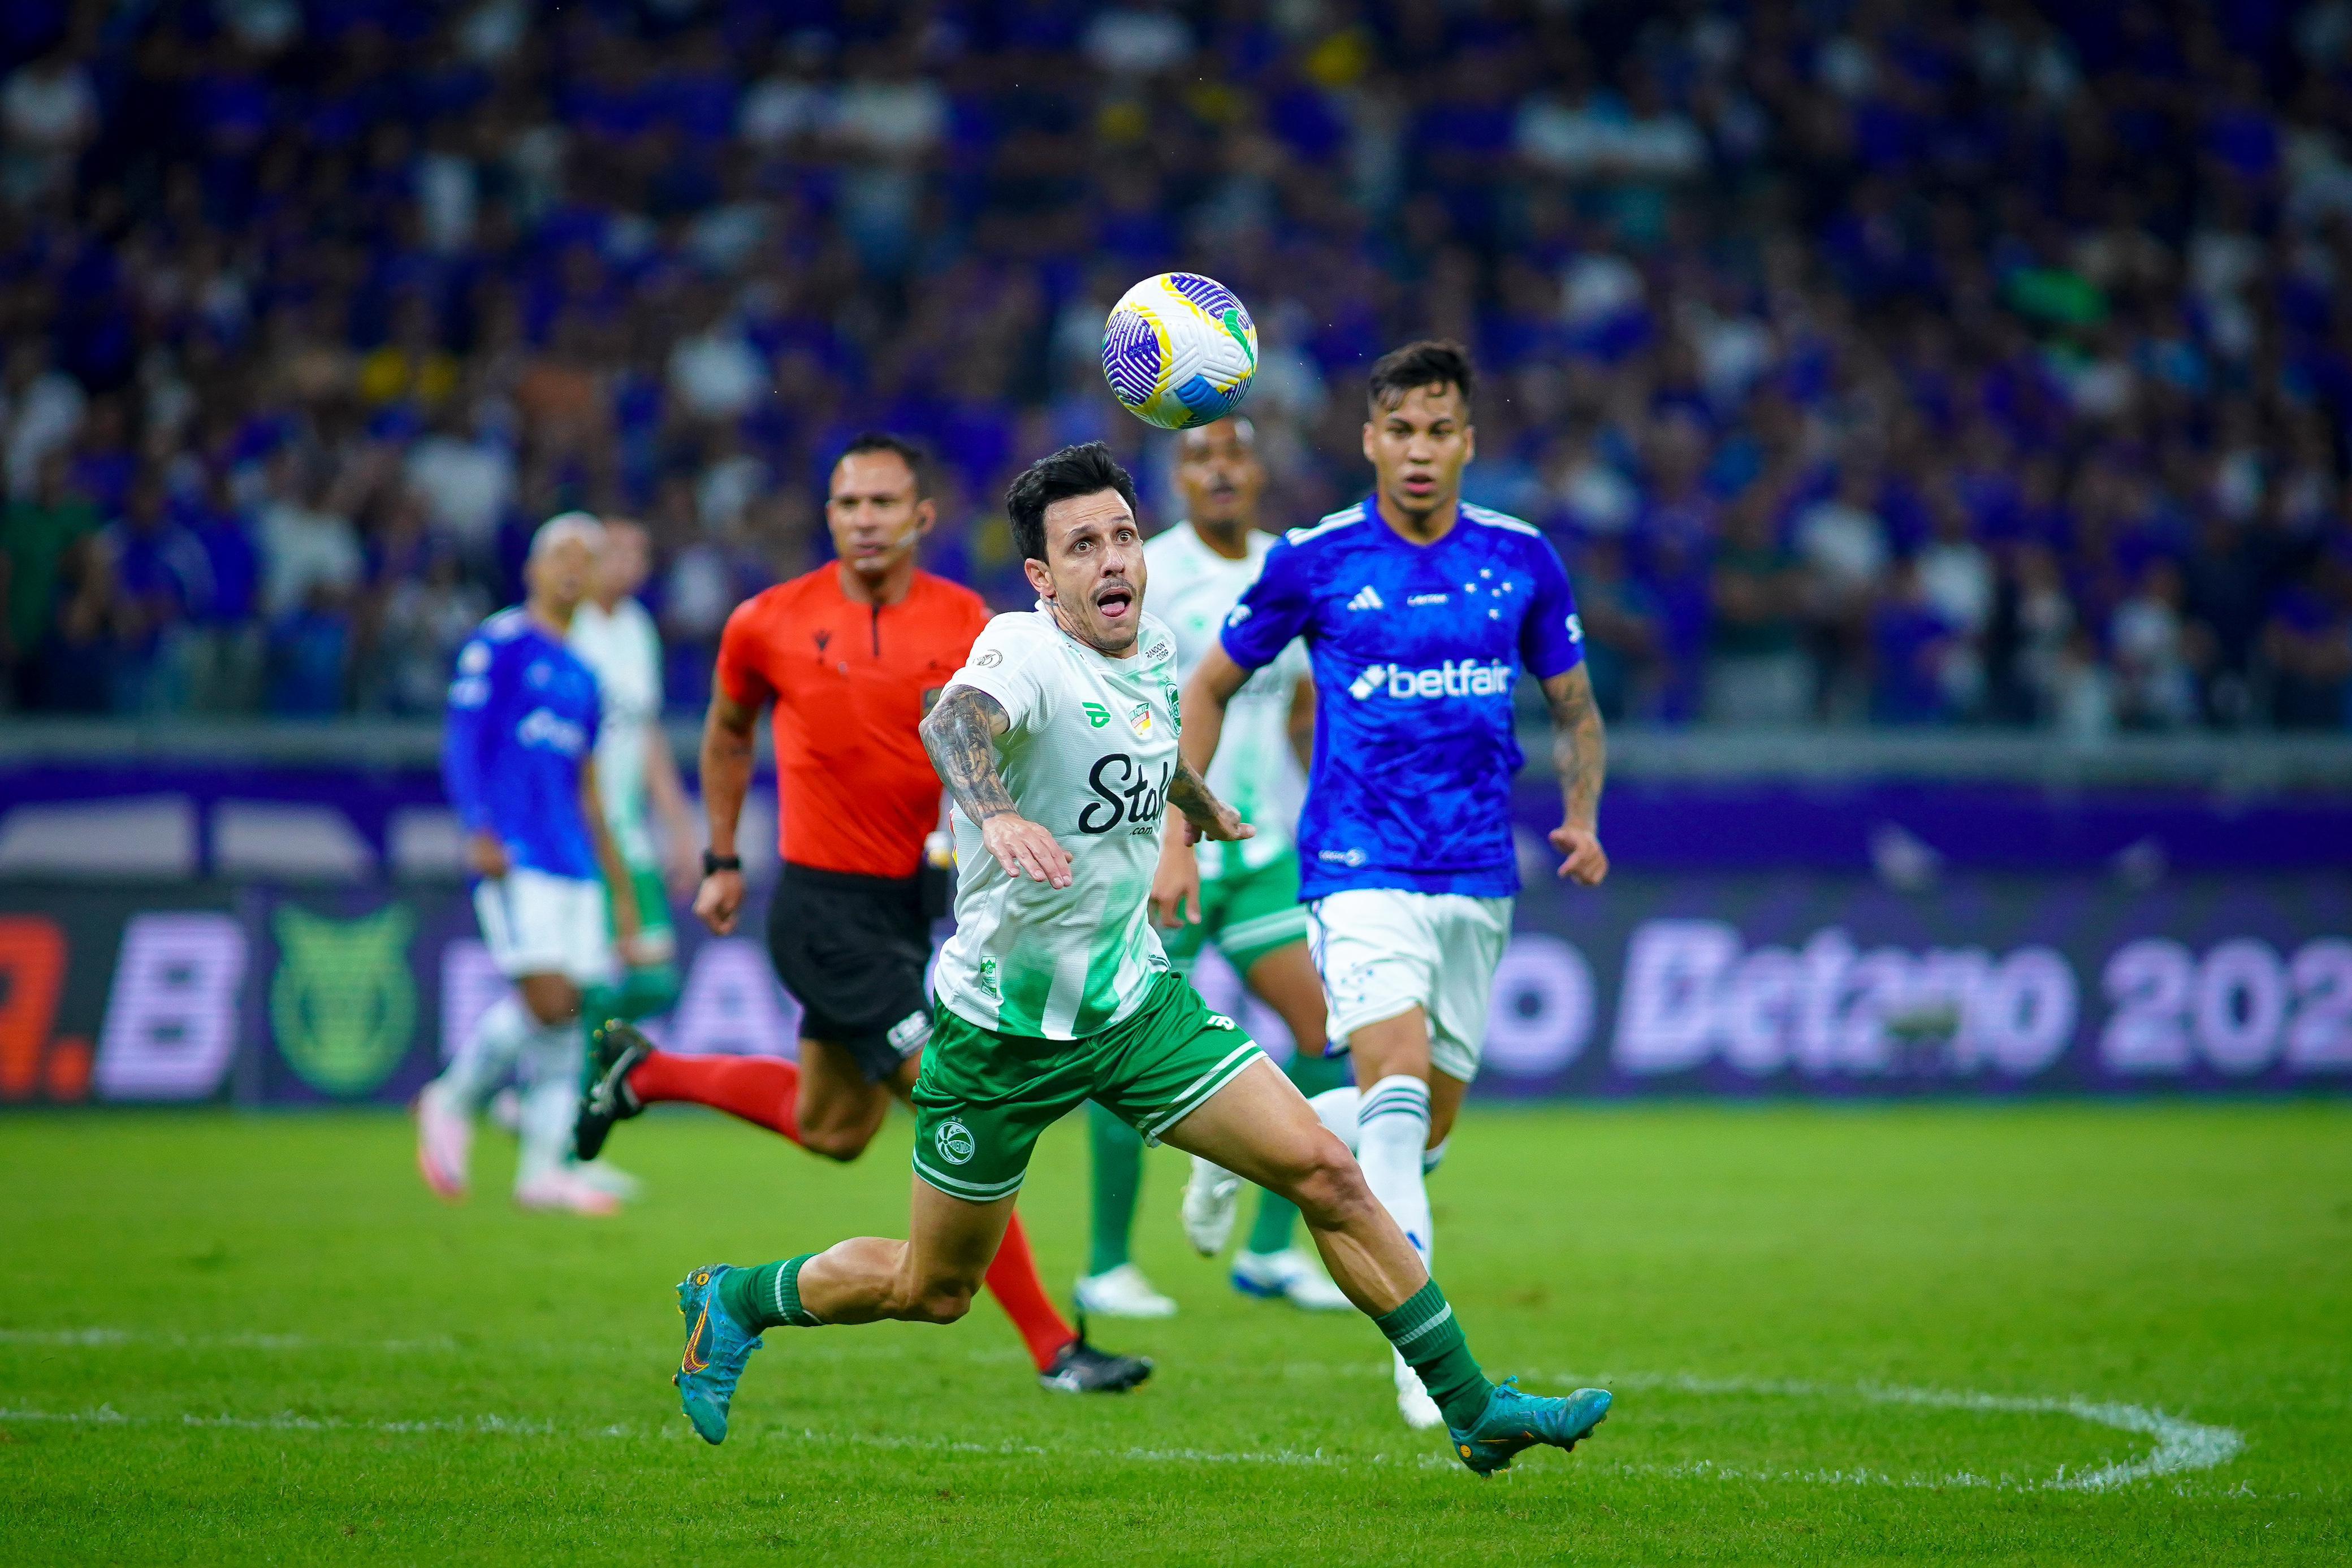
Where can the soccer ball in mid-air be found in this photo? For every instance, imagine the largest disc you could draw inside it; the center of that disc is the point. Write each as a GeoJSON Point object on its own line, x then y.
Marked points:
{"type": "Point", "coordinates": [1178, 350]}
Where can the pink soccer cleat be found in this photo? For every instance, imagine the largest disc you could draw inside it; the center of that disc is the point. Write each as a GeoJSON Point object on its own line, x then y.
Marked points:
{"type": "Point", "coordinates": [444, 1145]}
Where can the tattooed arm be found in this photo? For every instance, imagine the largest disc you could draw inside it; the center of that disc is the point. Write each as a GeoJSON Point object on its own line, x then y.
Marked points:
{"type": "Point", "coordinates": [961, 734]}
{"type": "Point", "coordinates": [1206, 815]}
{"type": "Point", "coordinates": [1197, 814]}
{"type": "Point", "coordinates": [1579, 752]}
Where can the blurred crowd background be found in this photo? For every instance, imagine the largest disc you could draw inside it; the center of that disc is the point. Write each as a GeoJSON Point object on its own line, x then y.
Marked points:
{"type": "Point", "coordinates": [1872, 362]}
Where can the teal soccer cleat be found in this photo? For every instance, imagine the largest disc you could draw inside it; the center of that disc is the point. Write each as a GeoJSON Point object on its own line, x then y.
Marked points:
{"type": "Point", "coordinates": [1514, 1420]}
{"type": "Point", "coordinates": [717, 1347]}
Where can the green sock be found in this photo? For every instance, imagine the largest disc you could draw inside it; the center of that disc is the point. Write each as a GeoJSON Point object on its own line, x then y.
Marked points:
{"type": "Point", "coordinates": [642, 993]}
{"type": "Point", "coordinates": [647, 992]}
{"type": "Point", "coordinates": [1426, 1333]}
{"type": "Point", "coordinates": [1119, 1178]}
{"type": "Point", "coordinates": [768, 1297]}
{"type": "Point", "coordinates": [1277, 1217]}
{"type": "Point", "coordinates": [598, 1003]}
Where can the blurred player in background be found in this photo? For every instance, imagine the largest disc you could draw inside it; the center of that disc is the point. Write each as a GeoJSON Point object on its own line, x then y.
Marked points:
{"type": "Point", "coordinates": [851, 656]}
{"type": "Point", "coordinates": [519, 765]}
{"type": "Point", "coordinates": [636, 775]}
{"type": "Point", "coordinates": [1058, 741]}
{"type": "Point", "coordinates": [1418, 611]}
{"type": "Point", "coordinates": [1246, 897]}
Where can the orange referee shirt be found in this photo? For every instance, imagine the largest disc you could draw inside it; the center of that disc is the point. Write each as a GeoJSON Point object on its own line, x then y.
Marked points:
{"type": "Point", "coordinates": [850, 682]}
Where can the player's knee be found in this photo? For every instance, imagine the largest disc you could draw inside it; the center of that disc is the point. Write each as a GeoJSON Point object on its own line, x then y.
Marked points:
{"type": "Point", "coordinates": [550, 998]}
{"type": "Point", "coordinates": [1327, 1184]}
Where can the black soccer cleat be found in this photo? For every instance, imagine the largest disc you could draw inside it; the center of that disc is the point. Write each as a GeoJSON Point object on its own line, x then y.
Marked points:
{"type": "Point", "coordinates": [1080, 1368]}
{"type": "Point", "coordinates": [614, 1051]}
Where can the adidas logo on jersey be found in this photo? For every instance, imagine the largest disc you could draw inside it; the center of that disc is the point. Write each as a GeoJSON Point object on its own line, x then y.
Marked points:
{"type": "Point", "coordinates": [1367, 598]}
{"type": "Point", "coordinates": [1453, 678]}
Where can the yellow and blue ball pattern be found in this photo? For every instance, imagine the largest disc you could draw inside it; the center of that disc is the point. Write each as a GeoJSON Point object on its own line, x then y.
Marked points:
{"type": "Point", "coordinates": [1179, 349]}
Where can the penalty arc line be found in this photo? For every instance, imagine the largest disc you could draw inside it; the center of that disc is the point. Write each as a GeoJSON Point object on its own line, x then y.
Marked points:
{"type": "Point", "coordinates": [2181, 1445]}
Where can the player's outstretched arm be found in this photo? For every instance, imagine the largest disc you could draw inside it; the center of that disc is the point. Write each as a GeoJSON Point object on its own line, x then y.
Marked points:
{"type": "Point", "coordinates": [1580, 750]}
{"type": "Point", "coordinates": [626, 917]}
{"type": "Point", "coordinates": [1206, 816]}
{"type": "Point", "coordinates": [1201, 708]}
{"type": "Point", "coordinates": [961, 734]}
{"type": "Point", "coordinates": [666, 792]}
{"type": "Point", "coordinates": [1302, 721]}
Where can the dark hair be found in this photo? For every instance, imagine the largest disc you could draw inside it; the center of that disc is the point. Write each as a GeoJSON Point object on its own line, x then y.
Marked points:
{"type": "Point", "coordinates": [917, 462]}
{"type": "Point", "coordinates": [1073, 471]}
{"type": "Point", "coordinates": [1432, 363]}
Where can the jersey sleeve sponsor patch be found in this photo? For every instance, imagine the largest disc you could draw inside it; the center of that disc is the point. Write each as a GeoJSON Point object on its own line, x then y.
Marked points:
{"type": "Point", "coordinates": [1008, 662]}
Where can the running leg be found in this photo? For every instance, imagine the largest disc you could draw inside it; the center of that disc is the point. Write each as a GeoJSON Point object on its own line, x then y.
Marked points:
{"type": "Point", "coordinates": [1259, 1127]}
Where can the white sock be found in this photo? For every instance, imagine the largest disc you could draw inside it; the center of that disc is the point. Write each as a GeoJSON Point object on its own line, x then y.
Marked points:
{"type": "Point", "coordinates": [1392, 1131]}
{"type": "Point", "coordinates": [1336, 1109]}
{"type": "Point", "coordinates": [487, 1055]}
{"type": "Point", "coordinates": [550, 1065]}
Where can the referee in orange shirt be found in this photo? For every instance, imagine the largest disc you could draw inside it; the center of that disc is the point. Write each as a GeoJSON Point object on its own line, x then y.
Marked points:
{"type": "Point", "coordinates": [851, 656]}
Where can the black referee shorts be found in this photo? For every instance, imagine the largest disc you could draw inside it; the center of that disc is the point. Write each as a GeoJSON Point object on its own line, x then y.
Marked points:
{"type": "Point", "coordinates": [852, 950]}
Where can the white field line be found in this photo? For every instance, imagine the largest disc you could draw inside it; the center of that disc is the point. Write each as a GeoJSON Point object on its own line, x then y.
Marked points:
{"type": "Point", "coordinates": [290, 1421]}
{"type": "Point", "coordinates": [527, 1426]}
{"type": "Point", "coordinates": [2182, 1446]}
{"type": "Point", "coordinates": [110, 1339]}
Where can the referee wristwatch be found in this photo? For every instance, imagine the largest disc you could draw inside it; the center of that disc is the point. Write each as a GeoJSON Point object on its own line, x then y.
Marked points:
{"type": "Point", "coordinates": [713, 864]}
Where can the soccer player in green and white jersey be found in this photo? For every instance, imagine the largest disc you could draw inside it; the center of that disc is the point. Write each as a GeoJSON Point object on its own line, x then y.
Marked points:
{"type": "Point", "coordinates": [635, 773]}
{"type": "Point", "coordinates": [1248, 899]}
{"type": "Point", "coordinates": [1057, 741]}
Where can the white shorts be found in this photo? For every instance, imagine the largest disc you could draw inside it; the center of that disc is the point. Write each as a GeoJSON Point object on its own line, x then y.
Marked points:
{"type": "Point", "coordinates": [535, 924]}
{"type": "Point", "coordinates": [1384, 951]}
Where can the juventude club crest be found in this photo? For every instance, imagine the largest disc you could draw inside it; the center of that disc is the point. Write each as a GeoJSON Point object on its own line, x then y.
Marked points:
{"type": "Point", "coordinates": [343, 1001]}
{"type": "Point", "coordinates": [986, 978]}
{"type": "Point", "coordinates": [955, 1143]}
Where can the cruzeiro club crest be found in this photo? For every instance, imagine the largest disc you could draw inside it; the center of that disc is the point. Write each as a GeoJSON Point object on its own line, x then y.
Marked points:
{"type": "Point", "coordinates": [343, 1001]}
{"type": "Point", "coordinates": [955, 1142]}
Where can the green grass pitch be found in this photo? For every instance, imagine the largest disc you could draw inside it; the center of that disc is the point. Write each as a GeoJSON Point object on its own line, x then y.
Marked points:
{"type": "Point", "coordinates": [2042, 1334]}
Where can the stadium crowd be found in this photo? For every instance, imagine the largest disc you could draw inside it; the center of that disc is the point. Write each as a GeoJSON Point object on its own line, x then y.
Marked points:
{"type": "Point", "coordinates": [1910, 364]}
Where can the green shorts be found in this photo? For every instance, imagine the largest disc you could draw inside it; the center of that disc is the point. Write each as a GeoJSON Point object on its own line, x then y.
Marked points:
{"type": "Point", "coordinates": [983, 1097]}
{"type": "Point", "coordinates": [1247, 913]}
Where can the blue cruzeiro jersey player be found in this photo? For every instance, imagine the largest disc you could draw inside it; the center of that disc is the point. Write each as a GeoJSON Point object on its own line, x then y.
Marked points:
{"type": "Point", "coordinates": [1418, 611]}
{"type": "Point", "coordinates": [519, 760]}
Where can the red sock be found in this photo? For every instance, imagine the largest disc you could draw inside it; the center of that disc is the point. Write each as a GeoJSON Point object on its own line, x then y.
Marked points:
{"type": "Point", "coordinates": [765, 1091]}
{"type": "Point", "coordinates": [1012, 1279]}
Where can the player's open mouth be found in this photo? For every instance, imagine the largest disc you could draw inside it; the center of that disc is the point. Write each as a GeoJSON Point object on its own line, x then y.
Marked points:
{"type": "Point", "coordinates": [1115, 600]}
